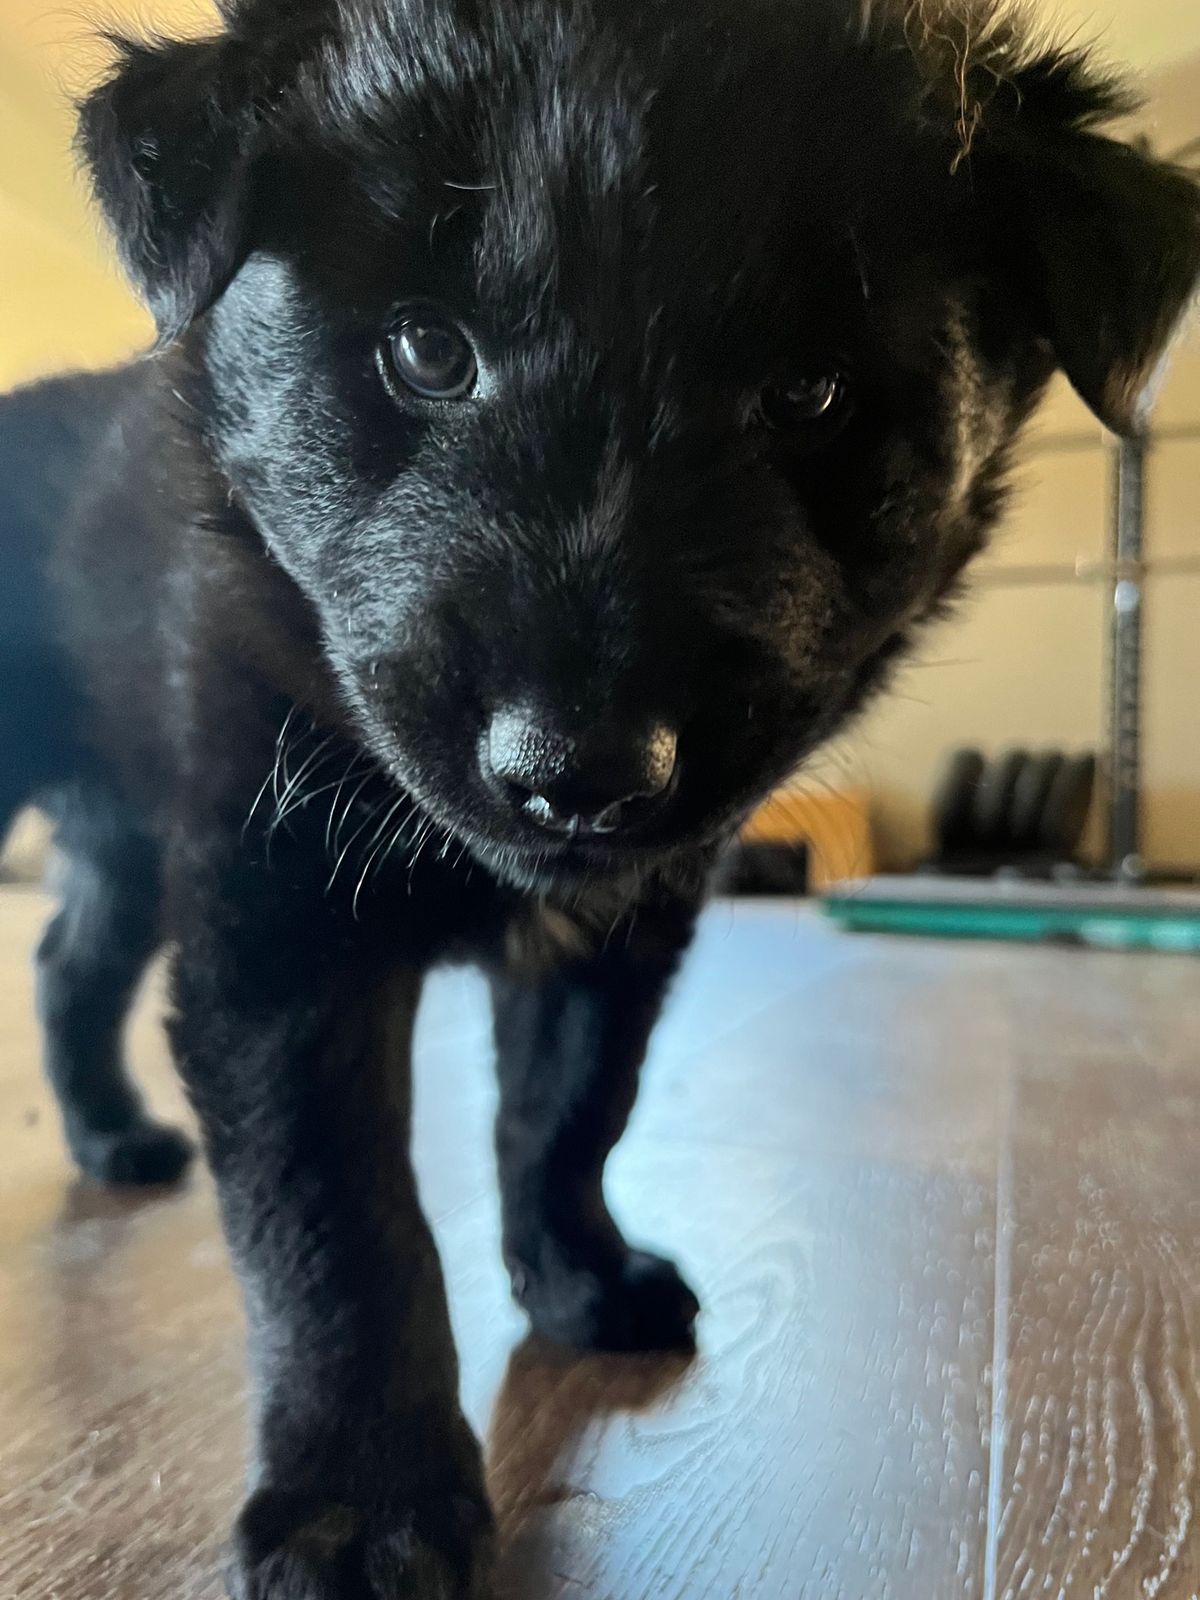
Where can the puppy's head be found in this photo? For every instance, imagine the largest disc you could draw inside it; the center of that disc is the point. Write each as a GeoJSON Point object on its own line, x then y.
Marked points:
{"type": "Point", "coordinates": [624, 385]}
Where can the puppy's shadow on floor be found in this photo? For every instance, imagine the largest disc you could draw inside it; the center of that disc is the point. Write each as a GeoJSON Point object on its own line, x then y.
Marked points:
{"type": "Point", "coordinates": [550, 1407]}
{"type": "Point", "coordinates": [87, 1201]}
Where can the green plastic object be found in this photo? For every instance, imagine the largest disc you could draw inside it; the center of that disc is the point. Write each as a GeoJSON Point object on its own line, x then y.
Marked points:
{"type": "Point", "coordinates": [1101, 915]}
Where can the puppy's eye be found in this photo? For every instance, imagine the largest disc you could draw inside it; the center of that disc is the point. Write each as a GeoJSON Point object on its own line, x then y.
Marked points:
{"type": "Point", "coordinates": [433, 357]}
{"type": "Point", "coordinates": [806, 402]}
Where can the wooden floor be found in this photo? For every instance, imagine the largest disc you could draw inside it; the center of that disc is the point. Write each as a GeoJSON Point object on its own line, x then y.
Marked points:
{"type": "Point", "coordinates": [942, 1202]}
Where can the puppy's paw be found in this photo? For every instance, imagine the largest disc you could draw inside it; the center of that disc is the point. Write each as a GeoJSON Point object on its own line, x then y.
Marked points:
{"type": "Point", "coordinates": [142, 1154]}
{"type": "Point", "coordinates": [292, 1547]}
{"type": "Point", "coordinates": [643, 1305]}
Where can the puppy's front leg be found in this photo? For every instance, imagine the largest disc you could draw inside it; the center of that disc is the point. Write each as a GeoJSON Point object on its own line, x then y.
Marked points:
{"type": "Point", "coordinates": [367, 1482]}
{"type": "Point", "coordinates": [569, 1047]}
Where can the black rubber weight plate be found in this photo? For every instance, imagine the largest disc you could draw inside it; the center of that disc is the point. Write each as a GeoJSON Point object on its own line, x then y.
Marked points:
{"type": "Point", "coordinates": [1030, 793]}
{"type": "Point", "coordinates": [954, 801]}
{"type": "Point", "coordinates": [994, 798]}
{"type": "Point", "coordinates": [1065, 814]}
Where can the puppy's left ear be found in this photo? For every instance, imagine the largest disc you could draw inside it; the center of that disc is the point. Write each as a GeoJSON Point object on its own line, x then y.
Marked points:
{"type": "Point", "coordinates": [170, 139]}
{"type": "Point", "coordinates": [1105, 240]}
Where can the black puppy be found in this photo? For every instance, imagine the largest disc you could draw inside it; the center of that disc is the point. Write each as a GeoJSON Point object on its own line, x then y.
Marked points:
{"type": "Point", "coordinates": [564, 413]}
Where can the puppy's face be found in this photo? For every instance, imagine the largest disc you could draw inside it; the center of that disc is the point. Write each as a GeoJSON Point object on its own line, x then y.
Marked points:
{"type": "Point", "coordinates": [623, 393]}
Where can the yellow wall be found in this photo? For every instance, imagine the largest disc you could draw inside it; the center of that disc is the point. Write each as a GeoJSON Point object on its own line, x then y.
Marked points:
{"type": "Point", "coordinates": [62, 301]}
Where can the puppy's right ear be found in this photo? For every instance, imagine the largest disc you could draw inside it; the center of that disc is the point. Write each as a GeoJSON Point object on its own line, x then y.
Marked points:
{"type": "Point", "coordinates": [169, 139]}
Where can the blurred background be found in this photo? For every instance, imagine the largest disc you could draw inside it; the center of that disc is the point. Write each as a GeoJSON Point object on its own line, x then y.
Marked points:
{"type": "Point", "coordinates": [1024, 664]}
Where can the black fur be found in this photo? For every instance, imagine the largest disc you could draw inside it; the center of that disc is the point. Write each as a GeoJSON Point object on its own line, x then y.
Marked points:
{"type": "Point", "coordinates": [265, 601]}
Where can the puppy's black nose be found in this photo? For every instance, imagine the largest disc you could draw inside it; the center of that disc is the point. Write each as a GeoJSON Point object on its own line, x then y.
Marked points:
{"type": "Point", "coordinates": [595, 783]}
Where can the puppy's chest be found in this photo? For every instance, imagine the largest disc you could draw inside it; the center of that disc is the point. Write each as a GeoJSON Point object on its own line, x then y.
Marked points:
{"type": "Point", "coordinates": [527, 935]}
{"type": "Point", "coordinates": [468, 916]}
{"type": "Point", "coordinates": [540, 936]}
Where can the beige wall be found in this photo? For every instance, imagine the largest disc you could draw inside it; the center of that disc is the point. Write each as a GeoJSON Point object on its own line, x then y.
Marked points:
{"type": "Point", "coordinates": [1143, 33]}
{"type": "Point", "coordinates": [1024, 664]}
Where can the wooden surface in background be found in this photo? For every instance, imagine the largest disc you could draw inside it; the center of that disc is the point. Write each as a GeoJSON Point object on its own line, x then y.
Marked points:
{"type": "Point", "coordinates": [942, 1205]}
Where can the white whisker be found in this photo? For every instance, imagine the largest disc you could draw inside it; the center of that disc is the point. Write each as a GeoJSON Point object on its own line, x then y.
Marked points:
{"type": "Point", "coordinates": [345, 816]}
{"type": "Point", "coordinates": [271, 781]}
{"type": "Point", "coordinates": [294, 795]}
{"type": "Point", "coordinates": [422, 837]}
{"type": "Point", "coordinates": [346, 848]}
{"type": "Point", "coordinates": [338, 787]}
{"type": "Point", "coordinates": [396, 835]}
{"type": "Point", "coordinates": [373, 848]}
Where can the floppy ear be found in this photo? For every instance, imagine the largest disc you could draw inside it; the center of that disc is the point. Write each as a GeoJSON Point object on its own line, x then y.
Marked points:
{"type": "Point", "coordinates": [1111, 247]}
{"type": "Point", "coordinates": [170, 140]}
{"type": "Point", "coordinates": [1102, 242]}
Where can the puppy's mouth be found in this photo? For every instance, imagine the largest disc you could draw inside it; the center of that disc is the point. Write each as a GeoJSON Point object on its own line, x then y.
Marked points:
{"type": "Point", "coordinates": [568, 856]}
{"type": "Point", "coordinates": [566, 869]}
